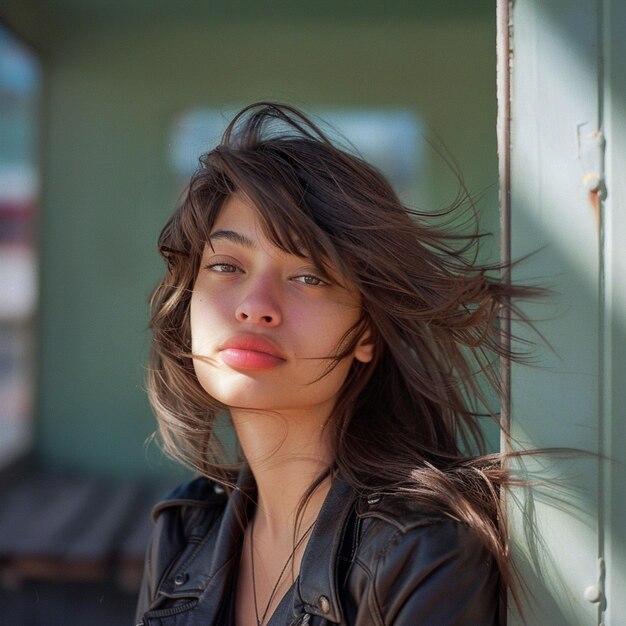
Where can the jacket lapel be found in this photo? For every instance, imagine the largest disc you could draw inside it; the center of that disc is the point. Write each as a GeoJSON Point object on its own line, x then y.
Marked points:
{"type": "Point", "coordinates": [317, 585]}
{"type": "Point", "coordinates": [205, 570]}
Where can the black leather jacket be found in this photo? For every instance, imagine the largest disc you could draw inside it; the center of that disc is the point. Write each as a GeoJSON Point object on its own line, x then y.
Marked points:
{"type": "Point", "coordinates": [369, 562]}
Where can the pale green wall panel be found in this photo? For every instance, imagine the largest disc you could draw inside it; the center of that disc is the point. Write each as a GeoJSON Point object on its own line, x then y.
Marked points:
{"type": "Point", "coordinates": [561, 99]}
{"type": "Point", "coordinates": [555, 403]}
{"type": "Point", "coordinates": [614, 433]}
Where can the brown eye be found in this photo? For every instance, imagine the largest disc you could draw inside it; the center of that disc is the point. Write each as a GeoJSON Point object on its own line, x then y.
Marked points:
{"type": "Point", "coordinates": [310, 279]}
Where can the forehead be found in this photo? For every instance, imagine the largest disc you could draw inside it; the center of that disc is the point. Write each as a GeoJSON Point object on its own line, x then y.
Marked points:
{"type": "Point", "coordinates": [241, 222]}
{"type": "Point", "coordinates": [237, 213]}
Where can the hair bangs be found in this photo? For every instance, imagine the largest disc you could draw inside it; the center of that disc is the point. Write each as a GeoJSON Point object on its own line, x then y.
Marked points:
{"type": "Point", "coordinates": [277, 194]}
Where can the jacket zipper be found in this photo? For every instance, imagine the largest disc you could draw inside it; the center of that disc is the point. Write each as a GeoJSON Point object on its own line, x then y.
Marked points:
{"type": "Point", "coordinates": [175, 610]}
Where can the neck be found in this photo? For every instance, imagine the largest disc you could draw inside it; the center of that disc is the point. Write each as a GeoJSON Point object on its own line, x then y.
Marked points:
{"type": "Point", "coordinates": [286, 454]}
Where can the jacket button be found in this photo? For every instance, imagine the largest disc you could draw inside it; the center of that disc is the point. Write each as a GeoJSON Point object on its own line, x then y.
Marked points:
{"type": "Point", "coordinates": [324, 604]}
{"type": "Point", "coordinates": [374, 499]}
{"type": "Point", "coordinates": [180, 579]}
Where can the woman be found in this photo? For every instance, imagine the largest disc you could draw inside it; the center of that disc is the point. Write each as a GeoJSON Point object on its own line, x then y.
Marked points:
{"type": "Point", "coordinates": [348, 341]}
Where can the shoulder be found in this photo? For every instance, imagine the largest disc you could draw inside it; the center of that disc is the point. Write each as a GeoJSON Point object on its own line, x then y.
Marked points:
{"type": "Point", "coordinates": [389, 521]}
{"type": "Point", "coordinates": [196, 494]}
{"type": "Point", "coordinates": [189, 511]}
{"type": "Point", "coordinates": [411, 562]}
{"type": "Point", "coordinates": [393, 527]}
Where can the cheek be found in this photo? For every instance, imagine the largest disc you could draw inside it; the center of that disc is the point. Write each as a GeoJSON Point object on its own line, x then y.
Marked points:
{"type": "Point", "coordinates": [313, 330]}
{"type": "Point", "coordinates": [332, 327]}
{"type": "Point", "coordinates": [202, 323]}
{"type": "Point", "coordinates": [194, 318]}
{"type": "Point", "coordinates": [202, 316]}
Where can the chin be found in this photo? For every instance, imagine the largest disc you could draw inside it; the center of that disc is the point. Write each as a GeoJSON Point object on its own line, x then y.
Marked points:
{"type": "Point", "coordinates": [240, 390]}
{"type": "Point", "coordinates": [254, 391]}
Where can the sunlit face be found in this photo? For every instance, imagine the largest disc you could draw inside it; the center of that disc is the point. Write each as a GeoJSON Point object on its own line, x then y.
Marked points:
{"type": "Point", "coordinates": [264, 324]}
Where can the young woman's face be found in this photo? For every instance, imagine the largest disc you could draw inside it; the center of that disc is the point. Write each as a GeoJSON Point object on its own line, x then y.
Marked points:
{"type": "Point", "coordinates": [264, 324]}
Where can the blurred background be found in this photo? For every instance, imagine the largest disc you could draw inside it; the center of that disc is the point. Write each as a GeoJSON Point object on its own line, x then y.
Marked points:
{"type": "Point", "coordinates": [105, 107]}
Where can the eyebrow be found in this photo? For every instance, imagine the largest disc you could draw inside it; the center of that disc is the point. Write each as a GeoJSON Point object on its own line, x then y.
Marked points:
{"type": "Point", "coordinates": [234, 236]}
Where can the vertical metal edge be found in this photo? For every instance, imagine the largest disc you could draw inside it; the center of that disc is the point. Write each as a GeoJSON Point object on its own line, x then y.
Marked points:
{"type": "Point", "coordinates": [604, 323]}
{"type": "Point", "coordinates": [503, 131]}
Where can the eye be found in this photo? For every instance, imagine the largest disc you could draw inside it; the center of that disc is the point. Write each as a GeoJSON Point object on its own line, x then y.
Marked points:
{"type": "Point", "coordinates": [222, 268]}
{"type": "Point", "coordinates": [310, 279]}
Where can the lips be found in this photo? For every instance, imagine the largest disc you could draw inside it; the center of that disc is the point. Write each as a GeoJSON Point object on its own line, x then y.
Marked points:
{"type": "Point", "coordinates": [250, 352]}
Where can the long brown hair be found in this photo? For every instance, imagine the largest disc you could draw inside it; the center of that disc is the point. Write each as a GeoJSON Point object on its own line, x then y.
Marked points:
{"type": "Point", "coordinates": [406, 423]}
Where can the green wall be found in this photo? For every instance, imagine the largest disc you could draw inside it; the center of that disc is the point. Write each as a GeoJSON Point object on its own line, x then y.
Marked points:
{"type": "Point", "coordinates": [114, 87]}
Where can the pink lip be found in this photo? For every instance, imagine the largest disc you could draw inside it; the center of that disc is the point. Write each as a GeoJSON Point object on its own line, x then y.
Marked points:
{"type": "Point", "coordinates": [250, 352]}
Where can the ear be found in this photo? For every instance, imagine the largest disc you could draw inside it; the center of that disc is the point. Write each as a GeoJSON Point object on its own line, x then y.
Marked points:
{"type": "Point", "coordinates": [364, 350]}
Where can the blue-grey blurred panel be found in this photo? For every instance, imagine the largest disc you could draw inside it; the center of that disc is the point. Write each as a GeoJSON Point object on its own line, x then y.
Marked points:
{"type": "Point", "coordinates": [20, 87]}
{"type": "Point", "coordinates": [390, 138]}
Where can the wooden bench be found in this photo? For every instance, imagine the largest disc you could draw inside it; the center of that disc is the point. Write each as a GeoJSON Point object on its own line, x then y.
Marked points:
{"type": "Point", "coordinates": [61, 527]}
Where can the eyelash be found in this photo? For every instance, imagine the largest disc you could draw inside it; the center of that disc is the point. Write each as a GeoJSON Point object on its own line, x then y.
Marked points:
{"type": "Point", "coordinates": [318, 282]}
{"type": "Point", "coordinates": [232, 268]}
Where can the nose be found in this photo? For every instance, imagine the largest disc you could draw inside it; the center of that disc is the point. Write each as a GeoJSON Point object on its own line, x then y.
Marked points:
{"type": "Point", "coordinates": [260, 305]}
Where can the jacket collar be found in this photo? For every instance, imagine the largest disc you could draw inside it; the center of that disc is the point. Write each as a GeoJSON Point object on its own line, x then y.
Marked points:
{"type": "Point", "coordinates": [206, 567]}
{"type": "Point", "coordinates": [317, 586]}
